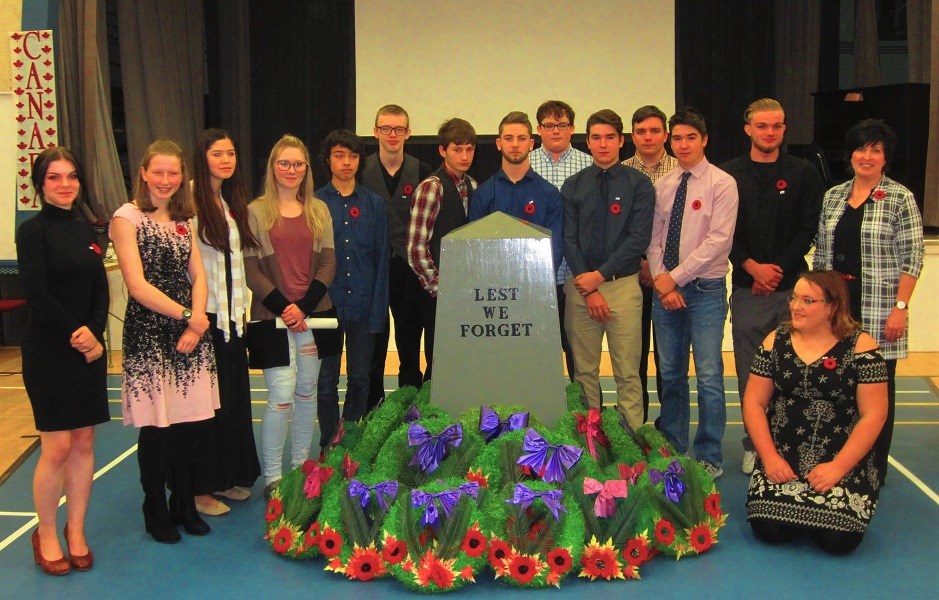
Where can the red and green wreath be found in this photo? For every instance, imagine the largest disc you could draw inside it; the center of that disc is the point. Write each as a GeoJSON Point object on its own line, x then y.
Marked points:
{"type": "Point", "coordinates": [293, 508]}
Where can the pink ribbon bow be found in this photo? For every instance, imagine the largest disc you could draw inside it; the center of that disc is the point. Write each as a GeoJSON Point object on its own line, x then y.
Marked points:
{"type": "Point", "coordinates": [591, 427]}
{"type": "Point", "coordinates": [316, 476]}
{"type": "Point", "coordinates": [605, 504]}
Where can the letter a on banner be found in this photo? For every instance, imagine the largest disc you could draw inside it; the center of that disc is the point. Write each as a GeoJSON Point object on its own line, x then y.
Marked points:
{"type": "Point", "coordinates": [37, 121]}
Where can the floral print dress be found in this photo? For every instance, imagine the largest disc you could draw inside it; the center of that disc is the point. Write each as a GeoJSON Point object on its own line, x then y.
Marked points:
{"type": "Point", "coordinates": [813, 411]}
{"type": "Point", "coordinates": [161, 386]}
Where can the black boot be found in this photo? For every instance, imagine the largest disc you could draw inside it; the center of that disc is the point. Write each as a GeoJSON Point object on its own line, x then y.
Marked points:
{"type": "Point", "coordinates": [183, 511]}
{"type": "Point", "coordinates": [150, 457]}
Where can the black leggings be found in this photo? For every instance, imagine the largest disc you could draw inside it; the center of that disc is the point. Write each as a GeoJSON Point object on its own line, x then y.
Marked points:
{"type": "Point", "coordinates": [833, 542]}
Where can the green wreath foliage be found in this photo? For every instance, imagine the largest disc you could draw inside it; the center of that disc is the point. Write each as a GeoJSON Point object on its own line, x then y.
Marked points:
{"type": "Point", "coordinates": [441, 558]}
{"type": "Point", "coordinates": [379, 424]}
{"type": "Point", "coordinates": [528, 547]}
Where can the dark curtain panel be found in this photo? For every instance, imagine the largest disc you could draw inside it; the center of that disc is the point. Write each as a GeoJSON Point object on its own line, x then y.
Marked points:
{"type": "Point", "coordinates": [302, 74]}
{"type": "Point", "coordinates": [725, 56]}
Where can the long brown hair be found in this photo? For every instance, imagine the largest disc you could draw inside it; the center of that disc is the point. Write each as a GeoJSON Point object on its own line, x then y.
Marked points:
{"type": "Point", "coordinates": [180, 207]}
{"type": "Point", "coordinates": [836, 293]}
{"type": "Point", "coordinates": [212, 226]}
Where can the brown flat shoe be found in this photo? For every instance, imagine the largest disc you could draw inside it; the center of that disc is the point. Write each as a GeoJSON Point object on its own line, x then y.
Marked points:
{"type": "Point", "coordinates": [50, 567]}
{"type": "Point", "coordinates": [79, 563]}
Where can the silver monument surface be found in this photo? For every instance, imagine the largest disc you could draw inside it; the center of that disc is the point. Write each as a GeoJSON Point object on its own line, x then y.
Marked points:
{"type": "Point", "coordinates": [497, 336]}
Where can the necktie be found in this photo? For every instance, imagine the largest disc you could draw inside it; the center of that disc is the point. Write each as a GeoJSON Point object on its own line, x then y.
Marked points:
{"type": "Point", "coordinates": [596, 255]}
{"type": "Point", "coordinates": [673, 237]}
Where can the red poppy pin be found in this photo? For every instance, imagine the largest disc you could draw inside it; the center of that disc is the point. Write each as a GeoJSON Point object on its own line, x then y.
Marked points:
{"type": "Point", "coordinates": [408, 189]}
{"type": "Point", "coordinates": [530, 207]}
{"type": "Point", "coordinates": [182, 229]}
{"type": "Point", "coordinates": [354, 212]}
{"type": "Point", "coordinates": [781, 184]}
{"type": "Point", "coordinates": [830, 363]}
{"type": "Point", "coordinates": [94, 247]}
{"type": "Point", "coordinates": [696, 205]}
{"type": "Point", "coordinates": [879, 194]}
{"type": "Point", "coordinates": [615, 208]}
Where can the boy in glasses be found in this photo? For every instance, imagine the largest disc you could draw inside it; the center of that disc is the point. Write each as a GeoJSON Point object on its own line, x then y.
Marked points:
{"type": "Point", "coordinates": [556, 160]}
{"type": "Point", "coordinates": [394, 176]}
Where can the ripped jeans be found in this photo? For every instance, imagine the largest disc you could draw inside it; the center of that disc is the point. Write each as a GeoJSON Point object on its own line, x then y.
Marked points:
{"type": "Point", "coordinates": [291, 396]}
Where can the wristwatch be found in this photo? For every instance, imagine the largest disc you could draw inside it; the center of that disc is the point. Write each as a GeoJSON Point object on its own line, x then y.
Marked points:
{"type": "Point", "coordinates": [187, 314]}
{"type": "Point", "coordinates": [902, 305]}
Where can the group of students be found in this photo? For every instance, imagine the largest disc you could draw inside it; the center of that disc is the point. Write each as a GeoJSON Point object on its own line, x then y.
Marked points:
{"type": "Point", "coordinates": [648, 239]}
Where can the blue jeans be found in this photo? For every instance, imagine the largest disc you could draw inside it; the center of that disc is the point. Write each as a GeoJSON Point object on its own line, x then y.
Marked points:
{"type": "Point", "coordinates": [698, 327]}
{"type": "Point", "coordinates": [360, 345]}
{"type": "Point", "coordinates": [291, 402]}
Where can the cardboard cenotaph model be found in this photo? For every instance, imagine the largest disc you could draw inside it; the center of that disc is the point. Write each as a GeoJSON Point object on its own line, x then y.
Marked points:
{"type": "Point", "coordinates": [497, 335]}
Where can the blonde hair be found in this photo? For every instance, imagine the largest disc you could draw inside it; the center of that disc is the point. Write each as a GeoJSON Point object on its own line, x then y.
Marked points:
{"type": "Point", "coordinates": [762, 105]}
{"type": "Point", "coordinates": [181, 206]}
{"type": "Point", "coordinates": [314, 209]}
{"type": "Point", "coordinates": [832, 285]}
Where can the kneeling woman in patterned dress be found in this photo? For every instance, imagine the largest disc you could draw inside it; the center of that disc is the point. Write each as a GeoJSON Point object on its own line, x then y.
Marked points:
{"type": "Point", "coordinates": [815, 402]}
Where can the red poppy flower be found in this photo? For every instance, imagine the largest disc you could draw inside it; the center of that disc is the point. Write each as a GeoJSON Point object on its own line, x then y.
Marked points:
{"type": "Point", "coordinates": [600, 561]}
{"type": "Point", "coordinates": [498, 551]}
{"type": "Point", "coordinates": [95, 248]}
{"type": "Point", "coordinates": [478, 477]}
{"type": "Point", "coordinates": [636, 551]}
{"type": "Point", "coordinates": [615, 208]}
{"type": "Point", "coordinates": [781, 184]}
{"type": "Point", "coordinates": [523, 568]}
{"type": "Point", "coordinates": [283, 539]}
{"type": "Point", "coordinates": [701, 538]}
{"type": "Point", "coordinates": [182, 229]}
{"type": "Point", "coordinates": [664, 532]}
{"type": "Point", "coordinates": [275, 508]}
{"type": "Point", "coordinates": [879, 194]}
{"type": "Point", "coordinates": [630, 572]}
{"type": "Point", "coordinates": [349, 466]}
{"type": "Point", "coordinates": [559, 560]}
{"type": "Point", "coordinates": [330, 542]}
{"type": "Point", "coordinates": [365, 564]}
{"type": "Point", "coordinates": [312, 536]}
{"type": "Point", "coordinates": [696, 205]}
{"type": "Point", "coordinates": [433, 569]}
{"type": "Point", "coordinates": [408, 566]}
{"type": "Point", "coordinates": [712, 505]}
{"type": "Point", "coordinates": [467, 573]}
{"type": "Point", "coordinates": [354, 212]}
{"type": "Point", "coordinates": [474, 544]}
{"type": "Point", "coordinates": [530, 208]}
{"type": "Point", "coordinates": [408, 189]}
{"type": "Point", "coordinates": [830, 363]}
{"type": "Point", "coordinates": [394, 551]}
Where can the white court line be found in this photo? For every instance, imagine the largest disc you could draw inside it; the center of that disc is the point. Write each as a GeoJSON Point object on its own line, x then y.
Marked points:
{"type": "Point", "coordinates": [916, 480]}
{"type": "Point", "coordinates": [34, 520]}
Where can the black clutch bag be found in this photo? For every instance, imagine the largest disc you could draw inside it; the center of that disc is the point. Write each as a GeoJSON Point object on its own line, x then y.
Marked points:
{"type": "Point", "coordinates": [267, 345]}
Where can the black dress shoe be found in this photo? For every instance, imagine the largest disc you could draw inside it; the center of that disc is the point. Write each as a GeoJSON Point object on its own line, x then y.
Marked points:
{"type": "Point", "coordinates": [158, 523]}
{"type": "Point", "coordinates": [183, 511]}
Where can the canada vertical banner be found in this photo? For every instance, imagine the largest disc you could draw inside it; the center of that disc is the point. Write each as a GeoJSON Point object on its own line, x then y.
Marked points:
{"type": "Point", "coordinates": [34, 106]}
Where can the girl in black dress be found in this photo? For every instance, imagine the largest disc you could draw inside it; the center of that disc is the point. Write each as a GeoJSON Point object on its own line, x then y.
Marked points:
{"type": "Point", "coordinates": [222, 233]}
{"type": "Point", "coordinates": [64, 371]}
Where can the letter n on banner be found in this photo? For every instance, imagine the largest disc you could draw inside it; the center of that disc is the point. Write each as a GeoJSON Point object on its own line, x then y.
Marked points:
{"type": "Point", "coordinates": [34, 107]}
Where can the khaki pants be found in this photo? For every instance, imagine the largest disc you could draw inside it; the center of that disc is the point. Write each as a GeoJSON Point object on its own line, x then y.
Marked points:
{"type": "Point", "coordinates": [624, 338]}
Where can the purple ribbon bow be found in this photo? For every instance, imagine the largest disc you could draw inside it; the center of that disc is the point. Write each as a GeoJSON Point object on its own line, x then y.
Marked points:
{"type": "Point", "coordinates": [492, 427]}
{"type": "Point", "coordinates": [524, 496]}
{"type": "Point", "coordinates": [413, 414]}
{"type": "Point", "coordinates": [432, 447]}
{"type": "Point", "coordinates": [446, 500]}
{"type": "Point", "coordinates": [674, 486]}
{"type": "Point", "coordinates": [552, 469]}
{"type": "Point", "coordinates": [382, 490]}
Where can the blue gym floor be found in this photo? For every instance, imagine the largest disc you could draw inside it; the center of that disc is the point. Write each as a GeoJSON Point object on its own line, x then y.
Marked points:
{"type": "Point", "coordinates": [898, 558]}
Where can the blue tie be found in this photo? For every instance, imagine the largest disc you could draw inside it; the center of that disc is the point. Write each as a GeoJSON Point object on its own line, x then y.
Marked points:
{"type": "Point", "coordinates": [673, 238]}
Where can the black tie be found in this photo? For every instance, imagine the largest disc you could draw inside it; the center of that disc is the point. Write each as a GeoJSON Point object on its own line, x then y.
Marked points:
{"type": "Point", "coordinates": [673, 237]}
{"type": "Point", "coordinates": [596, 255]}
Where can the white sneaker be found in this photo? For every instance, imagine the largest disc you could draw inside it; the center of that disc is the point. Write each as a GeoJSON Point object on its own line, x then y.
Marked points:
{"type": "Point", "coordinates": [749, 461]}
{"type": "Point", "coordinates": [713, 470]}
